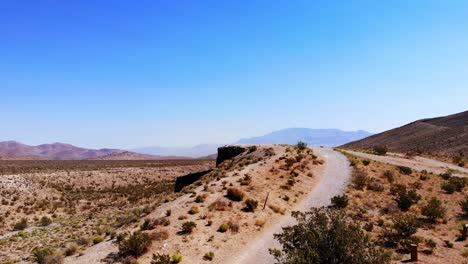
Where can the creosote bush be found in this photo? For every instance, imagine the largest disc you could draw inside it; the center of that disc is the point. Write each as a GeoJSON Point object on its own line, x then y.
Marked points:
{"type": "Point", "coordinates": [324, 235]}
{"type": "Point", "coordinates": [250, 205]}
{"type": "Point", "coordinates": [21, 225]}
{"type": "Point", "coordinates": [380, 150]}
{"type": "Point", "coordinates": [464, 206]}
{"type": "Point", "coordinates": [340, 201]}
{"type": "Point", "coordinates": [209, 256]}
{"type": "Point", "coordinates": [360, 179]}
{"type": "Point", "coordinates": [187, 227]}
{"type": "Point", "coordinates": [405, 199]}
{"type": "Point", "coordinates": [405, 170]}
{"type": "Point", "coordinates": [434, 209]}
{"type": "Point", "coordinates": [45, 221]}
{"type": "Point", "coordinates": [134, 245]}
{"type": "Point", "coordinates": [161, 259]}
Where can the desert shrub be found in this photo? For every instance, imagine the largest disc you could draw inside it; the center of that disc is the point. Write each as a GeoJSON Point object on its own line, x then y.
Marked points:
{"type": "Point", "coordinates": [434, 209]}
{"type": "Point", "coordinates": [159, 235]}
{"type": "Point", "coordinates": [446, 175]}
{"type": "Point", "coordinates": [98, 239]}
{"type": "Point", "coordinates": [21, 225]}
{"type": "Point", "coordinates": [40, 254]}
{"type": "Point", "coordinates": [209, 256]}
{"type": "Point", "coordinates": [223, 228]}
{"type": "Point", "coordinates": [340, 201]}
{"type": "Point", "coordinates": [161, 259]}
{"type": "Point", "coordinates": [423, 177]}
{"type": "Point", "coordinates": [219, 205]}
{"type": "Point", "coordinates": [194, 210]}
{"type": "Point", "coordinates": [252, 149]}
{"type": "Point", "coordinates": [250, 205]}
{"type": "Point", "coordinates": [168, 212]}
{"type": "Point", "coordinates": [366, 162]}
{"type": "Point", "coordinates": [200, 199]}
{"type": "Point", "coordinates": [135, 245]}
{"type": "Point", "coordinates": [404, 226]}
{"type": "Point", "coordinates": [405, 199]}
{"type": "Point", "coordinates": [187, 227]}
{"type": "Point", "coordinates": [82, 241]}
{"type": "Point", "coordinates": [176, 258]}
{"type": "Point", "coordinates": [235, 194]}
{"type": "Point", "coordinates": [360, 180]}
{"type": "Point", "coordinates": [148, 224]}
{"type": "Point", "coordinates": [375, 186]}
{"type": "Point", "coordinates": [246, 180]}
{"type": "Point", "coordinates": [301, 145]}
{"type": "Point", "coordinates": [448, 187]}
{"type": "Point", "coordinates": [464, 205]}
{"type": "Point", "coordinates": [234, 226]}
{"type": "Point", "coordinates": [458, 182]}
{"type": "Point", "coordinates": [324, 235]}
{"type": "Point", "coordinates": [161, 221]}
{"type": "Point", "coordinates": [389, 175]}
{"type": "Point", "coordinates": [405, 170]}
{"type": "Point", "coordinates": [71, 249]}
{"type": "Point", "coordinates": [380, 150]}
{"type": "Point", "coordinates": [45, 221]}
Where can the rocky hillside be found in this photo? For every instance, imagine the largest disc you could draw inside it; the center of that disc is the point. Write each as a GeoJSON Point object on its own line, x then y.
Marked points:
{"type": "Point", "coordinates": [447, 135]}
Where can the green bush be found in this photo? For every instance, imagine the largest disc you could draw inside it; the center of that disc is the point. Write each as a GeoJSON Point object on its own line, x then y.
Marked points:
{"type": "Point", "coordinates": [360, 180]}
{"type": "Point", "coordinates": [449, 187]}
{"type": "Point", "coordinates": [45, 221]}
{"type": "Point", "coordinates": [223, 228]}
{"type": "Point", "coordinates": [340, 201]}
{"type": "Point", "coordinates": [324, 235]}
{"type": "Point", "coordinates": [161, 259]}
{"type": "Point", "coordinates": [380, 150]}
{"type": "Point", "coordinates": [250, 205]}
{"type": "Point", "coordinates": [194, 210]}
{"type": "Point", "coordinates": [403, 228]}
{"type": "Point", "coordinates": [21, 225]}
{"type": "Point", "coordinates": [405, 199]}
{"type": "Point", "coordinates": [41, 254]}
{"type": "Point", "coordinates": [447, 175]}
{"type": "Point", "coordinates": [135, 245]}
{"type": "Point", "coordinates": [187, 227]}
{"type": "Point", "coordinates": [301, 145]}
{"type": "Point", "coordinates": [209, 256]}
{"type": "Point", "coordinates": [405, 170]}
{"type": "Point", "coordinates": [366, 162]}
{"type": "Point", "coordinates": [434, 209]}
{"type": "Point", "coordinates": [464, 205]}
{"type": "Point", "coordinates": [176, 258]}
{"type": "Point", "coordinates": [98, 239]}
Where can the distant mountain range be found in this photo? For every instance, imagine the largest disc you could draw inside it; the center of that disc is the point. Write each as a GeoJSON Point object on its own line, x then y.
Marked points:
{"type": "Point", "coordinates": [193, 152]}
{"type": "Point", "coordinates": [61, 151]}
{"type": "Point", "coordinates": [445, 135]}
{"type": "Point", "coordinates": [313, 137]}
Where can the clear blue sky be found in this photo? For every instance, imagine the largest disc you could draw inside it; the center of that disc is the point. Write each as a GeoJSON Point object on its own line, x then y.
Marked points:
{"type": "Point", "coordinates": [176, 73]}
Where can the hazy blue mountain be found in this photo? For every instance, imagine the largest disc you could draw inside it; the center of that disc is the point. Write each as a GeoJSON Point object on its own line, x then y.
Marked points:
{"type": "Point", "coordinates": [313, 137]}
{"type": "Point", "coordinates": [194, 152]}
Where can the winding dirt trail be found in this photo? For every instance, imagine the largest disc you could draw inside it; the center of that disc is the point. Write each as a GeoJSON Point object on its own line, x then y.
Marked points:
{"type": "Point", "coordinates": [417, 163]}
{"type": "Point", "coordinates": [336, 176]}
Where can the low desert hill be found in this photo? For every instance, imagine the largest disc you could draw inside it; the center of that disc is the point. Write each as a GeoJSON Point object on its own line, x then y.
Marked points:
{"type": "Point", "coordinates": [447, 135]}
{"type": "Point", "coordinates": [313, 137]}
{"type": "Point", "coordinates": [56, 151]}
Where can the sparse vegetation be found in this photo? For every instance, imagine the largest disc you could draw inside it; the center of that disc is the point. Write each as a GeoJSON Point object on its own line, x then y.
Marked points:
{"type": "Point", "coordinates": [405, 170]}
{"type": "Point", "coordinates": [187, 227]}
{"type": "Point", "coordinates": [434, 209]}
{"type": "Point", "coordinates": [326, 236]}
{"type": "Point", "coordinates": [209, 256]}
{"type": "Point", "coordinates": [250, 205]}
{"type": "Point", "coordinates": [380, 150]}
{"type": "Point", "coordinates": [134, 245]}
{"type": "Point", "coordinates": [235, 194]}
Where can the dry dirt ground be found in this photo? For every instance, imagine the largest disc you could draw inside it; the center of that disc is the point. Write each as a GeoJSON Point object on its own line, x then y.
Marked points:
{"type": "Point", "coordinates": [375, 207]}
{"type": "Point", "coordinates": [285, 174]}
{"type": "Point", "coordinates": [83, 200]}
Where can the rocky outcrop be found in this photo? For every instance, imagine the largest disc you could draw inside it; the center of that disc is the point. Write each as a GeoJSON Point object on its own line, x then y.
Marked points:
{"type": "Point", "coordinates": [228, 152]}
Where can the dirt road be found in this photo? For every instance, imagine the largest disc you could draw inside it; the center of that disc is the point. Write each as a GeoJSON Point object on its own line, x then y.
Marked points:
{"type": "Point", "coordinates": [336, 176]}
{"type": "Point", "coordinates": [417, 163]}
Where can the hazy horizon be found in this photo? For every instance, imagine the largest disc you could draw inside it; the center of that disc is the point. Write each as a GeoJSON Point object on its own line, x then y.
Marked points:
{"type": "Point", "coordinates": [150, 73]}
